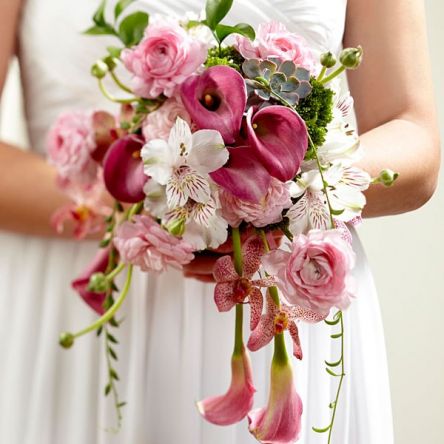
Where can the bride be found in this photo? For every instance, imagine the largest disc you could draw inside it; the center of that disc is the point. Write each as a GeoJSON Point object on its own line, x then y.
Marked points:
{"type": "Point", "coordinates": [174, 346]}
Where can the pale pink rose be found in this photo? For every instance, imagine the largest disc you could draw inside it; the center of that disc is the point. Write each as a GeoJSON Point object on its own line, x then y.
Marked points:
{"type": "Point", "coordinates": [164, 58]}
{"type": "Point", "coordinates": [145, 244]}
{"type": "Point", "coordinates": [274, 40]}
{"type": "Point", "coordinates": [70, 144]}
{"type": "Point", "coordinates": [316, 273]}
{"type": "Point", "coordinates": [268, 211]}
{"type": "Point", "coordinates": [158, 124]}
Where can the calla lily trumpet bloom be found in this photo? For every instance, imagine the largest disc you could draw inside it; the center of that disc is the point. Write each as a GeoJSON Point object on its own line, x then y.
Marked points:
{"type": "Point", "coordinates": [98, 265]}
{"type": "Point", "coordinates": [280, 421]}
{"type": "Point", "coordinates": [216, 100]}
{"type": "Point", "coordinates": [243, 176]}
{"type": "Point", "coordinates": [238, 401]}
{"type": "Point", "coordinates": [278, 137]}
{"type": "Point", "coordinates": [123, 170]}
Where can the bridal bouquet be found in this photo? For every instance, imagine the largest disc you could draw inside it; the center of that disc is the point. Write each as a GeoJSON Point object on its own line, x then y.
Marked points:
{"type": "Point", "coordinates": [228, 140]}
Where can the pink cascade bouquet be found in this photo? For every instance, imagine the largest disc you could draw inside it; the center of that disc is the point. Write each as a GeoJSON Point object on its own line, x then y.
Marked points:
{"type": "Point", "coordinates": [225, 137]}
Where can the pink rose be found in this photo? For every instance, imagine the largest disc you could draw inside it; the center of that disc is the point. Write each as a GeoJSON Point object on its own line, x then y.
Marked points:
{"type": "Point", "coordinates": [274, 40]}
{"type": "Point", "coordinates": [158, 124]}
{"type": "Point", "coordinates": [70, 145]}
{"type": "Point", "coordinates": [315, 274]}
{"type": "Point", "coordinates": [164, 59]}
{"type": "Point", "coordinates": [267, 211]}
{"type": "Point", "coordinates": [145, 244]}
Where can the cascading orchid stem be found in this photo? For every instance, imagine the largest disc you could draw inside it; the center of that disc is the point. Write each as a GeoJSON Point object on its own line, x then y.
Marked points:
{"type": "Point", "coordinates": [67, 339]}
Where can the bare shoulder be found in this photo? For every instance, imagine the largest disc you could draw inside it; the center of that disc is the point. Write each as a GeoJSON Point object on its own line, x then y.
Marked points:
{"type": "Point", "coordinates": [9, 19]}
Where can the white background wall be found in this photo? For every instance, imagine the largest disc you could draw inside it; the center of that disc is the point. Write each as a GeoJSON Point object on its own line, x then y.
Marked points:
{"type": "Point", "coordinates": [406, 253]}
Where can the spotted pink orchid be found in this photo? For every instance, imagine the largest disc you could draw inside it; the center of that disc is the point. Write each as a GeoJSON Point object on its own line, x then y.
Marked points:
{"type": "Point", "coordinates": [278, 319]}
{"type": "Point", "coordinates": [234, 405]}
{"type": "Point", "coordinates": [232, 289]}
{"type": "Point", "coordinates": [280, 421]}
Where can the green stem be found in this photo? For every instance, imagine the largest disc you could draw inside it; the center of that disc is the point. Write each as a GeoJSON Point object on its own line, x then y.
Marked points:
{"type": "Point", "coordinates": [238, 265]}
{"type": "Point", "coordinates": [120, 84]}
{"type": "Point", "coordinates": [135, 209]}
{"type": "Point", "coordinates": [322, 73]}
{"type": "Point", "coordinates": [111, 276]}
{"type": "Point", "coordinates": [112, 311]}
{"type": "Point", "coordinates": [340, 381]}
{"type": "Point", "coordinates": [110, 97]}
{"type": "Point", "coordinates": [280, 355]}
{"type": "Point", "coordinates": [333, 75]}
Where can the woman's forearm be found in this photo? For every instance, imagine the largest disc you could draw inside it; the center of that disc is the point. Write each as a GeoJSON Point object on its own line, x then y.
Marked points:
{"type": "Point", "coordinates": [405, 147]}
{"type": "Point", "coordinates": [28, 195]}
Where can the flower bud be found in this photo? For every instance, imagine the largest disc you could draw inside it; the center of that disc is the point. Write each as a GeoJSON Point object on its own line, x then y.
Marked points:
{"type": "Point", "coordinates": [176, 227]}
{"type": "Point", "coordinates": [66, 340]}
{"type": "Point", "coordinates": [328, 60]}
{"type": "Point", "coordinates": [110, 62]}
{"type": "Point", "coordinates": [351, 58]}
{"type": "Point", "coordinates": [99, 69]}
{"type": "Point", "coordinates": [387, 177]}
{"type": "Point", "coordinates": [98, 283]}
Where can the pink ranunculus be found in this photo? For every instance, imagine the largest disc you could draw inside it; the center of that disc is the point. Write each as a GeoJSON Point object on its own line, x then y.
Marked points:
{"type": "Point", "coordinates": [234, 405]}
{"type": "Point", "coordinates": [145, 244]}
{"type": "Point", "coordinates": [70, 144]}
{"type": "Point", "coordinates": [159, 123]}
{"type": "Point", "coordinates": [275, 40]}
{"type": "Point", "coordinates": [164, 59]}
{"type": "Point", "coordinates": [267, 211]}
{"type": "Point", "coordinates": [316, 273]}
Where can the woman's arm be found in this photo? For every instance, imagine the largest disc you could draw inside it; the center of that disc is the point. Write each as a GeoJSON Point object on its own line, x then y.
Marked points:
{"type": "Point", "coordinates": [28, 195]}
{"type": "Point", "coordinates": [394, 101]}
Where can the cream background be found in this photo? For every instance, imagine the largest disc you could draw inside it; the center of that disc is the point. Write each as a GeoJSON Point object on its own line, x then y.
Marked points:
{"type": "Point", "coordinates": [406, 256]}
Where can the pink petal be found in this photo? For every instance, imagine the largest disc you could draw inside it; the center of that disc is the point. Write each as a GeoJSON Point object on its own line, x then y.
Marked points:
{"type": "Point", "coordinates": [243, 176]}
{"type": "Point", "coordinates": [279, 138]}
{"type": "Point", "coordinates": [280, 421]}
{"type": "Point", "coordinates": [294, 333]}
{"type": "Point", "coordinates": [256, 305]}
{"type": "Point", "coordinates": [223, 296]}
{"type": "Point", "coordinates": [228, 89]}
{"type": "Point", "coordinates": [224, 270]}
{"type": "Point", "coordinates": [123, 170]}
{"type": "Point", "coordinates": [262, 334]}
{"type": "Point", "coordinates": [237, 402]}
{"type": "Point", "coordinates": [296, 312]}
{"type": "Point", "coordinates": [98, 265]}
{"type": "Point", "coordinates": [252, 252]}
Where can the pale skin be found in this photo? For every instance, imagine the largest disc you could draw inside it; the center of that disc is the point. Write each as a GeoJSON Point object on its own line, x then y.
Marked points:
{"type": "Point", "coordinates": [394, 107]}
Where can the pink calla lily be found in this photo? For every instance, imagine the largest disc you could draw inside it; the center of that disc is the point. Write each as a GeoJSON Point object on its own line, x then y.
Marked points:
{"type": "Point", "coordinates": [216, 100]}
{"type": "Point", "coordinates": [104, 126]}
{"type": "Point", "coordinates": [98, 265]}
{"type": "Point", "coordinates": [278, 137]}
{"type": "Point", "coordinates": [280, 421]}
{"type": "Point", "coordinates": [243, 176]}
{"type": "Point", "coordinates": [238, 401]}
{"type": "Point", "coordinates": [123, 170]}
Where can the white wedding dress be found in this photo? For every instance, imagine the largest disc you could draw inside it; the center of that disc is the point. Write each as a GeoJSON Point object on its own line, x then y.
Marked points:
{"type": "Point", "coordinates": [175, 347]}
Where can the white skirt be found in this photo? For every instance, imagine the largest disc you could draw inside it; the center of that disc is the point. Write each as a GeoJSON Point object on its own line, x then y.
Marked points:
{"type": "Point", "coordinates": [174, 349]}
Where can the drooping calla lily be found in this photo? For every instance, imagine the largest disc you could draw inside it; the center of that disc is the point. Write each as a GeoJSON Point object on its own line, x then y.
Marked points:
{"type": "Point", "coordinates": [243, 176]}
{"type": "Point", "coordinates": [280, 421]}
{"type": "Point", "coordinates": [216, 100]}
{"type": "Point", "coordinates": [123, 170]}
{"type": "Point", "coordinates": [104, 127]}
{"type": "Point", "coordinates": [278, 137]}
{"type": "Point", "coordinates": [238, 401]}
{"type": "Point", "coordinates": [232, 289]}
{"type": "Point", "coordinates": [98, 265]}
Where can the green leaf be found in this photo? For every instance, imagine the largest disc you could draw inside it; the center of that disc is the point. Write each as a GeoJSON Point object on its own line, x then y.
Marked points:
{"type": "Point", "coordinates": [111, 338]}
{"type": "Point", "coordinates": [337, 212]}
{"type": "Point", "coordinates": [333, 364]}
{"type": "Point", "coordinates": [321, 430]}
{"type": "Point", "coordinates": [100, 30]}
{"type": "Point", "coordinates": [121, 5]}
{"type": "Point", "coordinates": [223, 31]}
{"type": "Point", "coordinates": [112, 353]}
{"type": "Point", "coordinates": [108, 389]}
{"type": "Point", "coordinates": [105, 243]}
{"type": "Point", "coordinates": [99, 16]}
{"type": "Point", "coordinates": [337, 336]}
{"type": "Point", "coordinates": [121, 404]}
{"type": "Point", "coordinates": [332, 373]}
{"type": "Point", "coordinates": [216, 10]}
{"type": "Point", "coordinates": [113, 374]}
{"type": "Point", "coordinates": [114, 51]}
{"type": "Point", "coordinates": [332, 323]}
{"type": "Point", "coordinates": [132, 27]}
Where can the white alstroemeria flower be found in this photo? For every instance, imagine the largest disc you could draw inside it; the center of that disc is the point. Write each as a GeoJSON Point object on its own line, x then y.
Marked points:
{"type": "Point", "coordinates": [183, 163]}
{"type": "Point", "coordinates": [345, 192]}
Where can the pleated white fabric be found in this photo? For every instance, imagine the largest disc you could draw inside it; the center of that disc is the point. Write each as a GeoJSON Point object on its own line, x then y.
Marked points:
{"type": "Point", "coordinates": [175, 347]}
